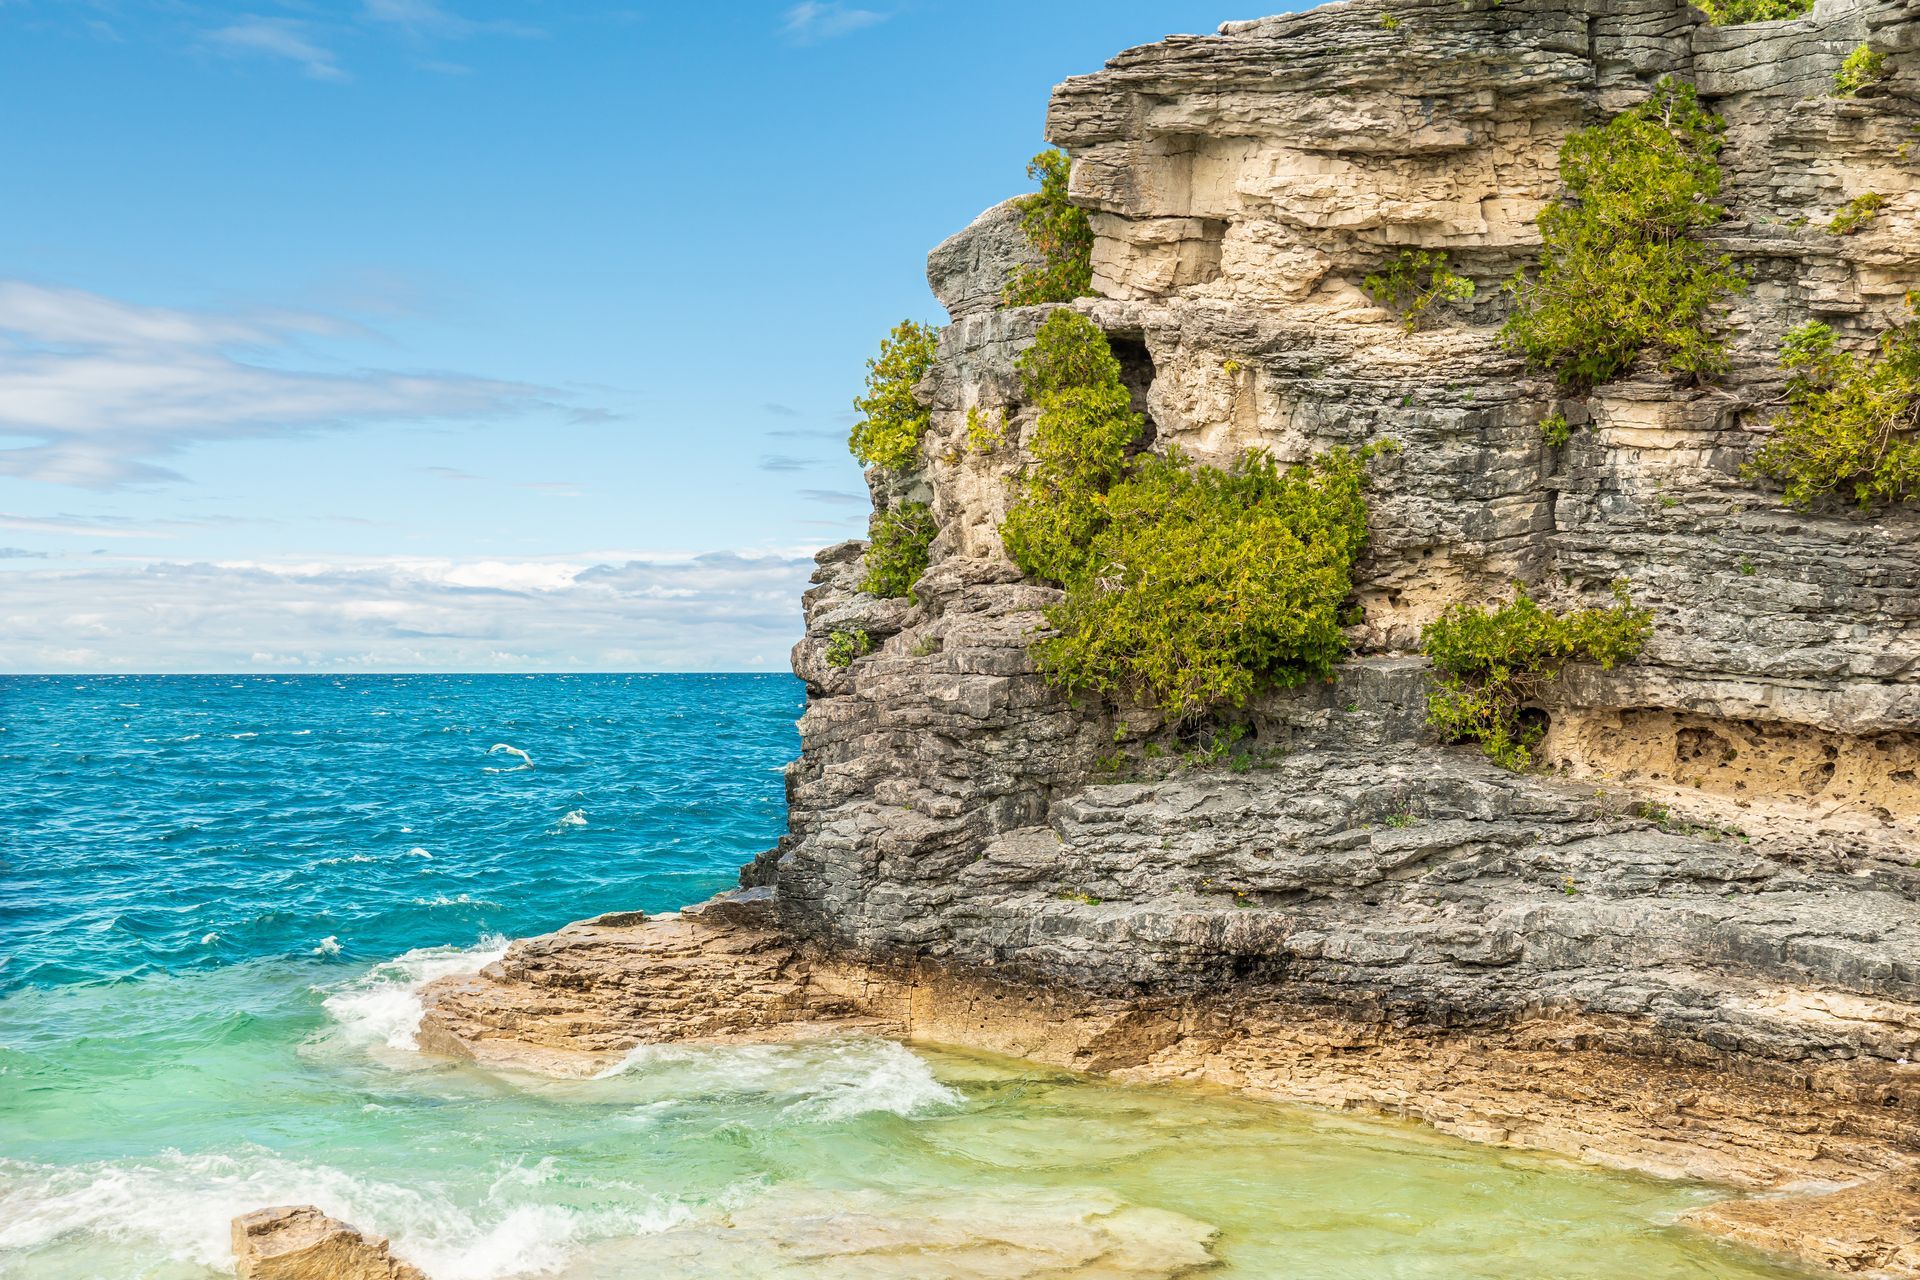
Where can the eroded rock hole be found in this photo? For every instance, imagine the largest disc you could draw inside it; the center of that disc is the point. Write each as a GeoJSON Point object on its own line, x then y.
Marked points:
{"type": "Point", "coordinates": [1137, 372]}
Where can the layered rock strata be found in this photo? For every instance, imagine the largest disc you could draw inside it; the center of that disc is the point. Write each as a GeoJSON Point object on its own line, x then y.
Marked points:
{"type": "Point", "coordinates": [1691, 947]}
{"type": "Point", "coordinates": [299, 1242]}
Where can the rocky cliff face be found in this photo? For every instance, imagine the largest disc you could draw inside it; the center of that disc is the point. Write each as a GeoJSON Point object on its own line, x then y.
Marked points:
{"type": "Point", "coordinates": [1722, 861]}
{"type": "Point", "coordinates": [1689, 945]}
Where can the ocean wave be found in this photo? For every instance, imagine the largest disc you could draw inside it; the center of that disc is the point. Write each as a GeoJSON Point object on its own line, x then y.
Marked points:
{"type": "Point", "coordinates": [824, 1080]}
{"type": "Point", "coordinates": [572, 818]}
{"type": "Point", "coordinates": [383, 1005]}
{"type": "Point", "coordinates": [176, 1208]}
{"type": "Point", "coordinates": [526, 761]}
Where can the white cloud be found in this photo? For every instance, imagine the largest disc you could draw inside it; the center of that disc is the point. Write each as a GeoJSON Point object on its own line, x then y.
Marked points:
{"type": "Point", "coordinates": [663, 612]}
{"type": "Point", "coordinates": [815, 20]}
{"type": "Point", "coordinates": [100, 389]}
{"type": "Point", "coordinates": [286, 38]}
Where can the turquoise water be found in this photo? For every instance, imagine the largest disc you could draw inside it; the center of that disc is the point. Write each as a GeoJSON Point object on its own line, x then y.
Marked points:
{"type": "Point", "coordinates": [220, 895]}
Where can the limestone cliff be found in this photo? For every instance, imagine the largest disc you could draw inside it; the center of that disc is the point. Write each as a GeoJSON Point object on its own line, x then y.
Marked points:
{"type": "Point", "coordinates": [949, 807]}
{"type": "Point", "coordinates": [1690, 944]}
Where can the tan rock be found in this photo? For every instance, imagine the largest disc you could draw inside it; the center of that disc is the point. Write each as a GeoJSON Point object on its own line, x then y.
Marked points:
{"type": "Point", "coordinates": [298, 1242]}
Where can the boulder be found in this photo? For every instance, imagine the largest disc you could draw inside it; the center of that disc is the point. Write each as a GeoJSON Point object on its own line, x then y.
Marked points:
{"type": "Point", "coordinates": [298, 1242]}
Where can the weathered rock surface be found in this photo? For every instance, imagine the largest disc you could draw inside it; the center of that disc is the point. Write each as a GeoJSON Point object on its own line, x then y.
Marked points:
{"type": "Point", "coordinates": [298, 1242]}
{"type": "Point", "coordinates": [1692, 949]}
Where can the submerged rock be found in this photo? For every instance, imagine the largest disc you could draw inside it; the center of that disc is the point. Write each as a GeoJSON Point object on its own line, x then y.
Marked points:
{"type": "Point", "coordinates": [298, 1242]}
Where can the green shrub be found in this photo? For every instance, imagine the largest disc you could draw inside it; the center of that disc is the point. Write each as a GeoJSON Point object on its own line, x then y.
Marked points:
{"type": "Point", "coordinates": [1725, 13]}
{"type": "Point", "coordinates": [1620, 268]}
{"type": "Point", "coordinates": [1079, 445]}
{"type": "Point", "coordinates": [985, 432]}
{"type": "Point", "coordinates": [1203, 587]}
{"type": "Point", "coordinates": [1059, 229]}
{"type": "Point", "coordinates": [1188, 588]}
{"type": "Point", "coordinates": [844, 646]}
{"type": "Point", "coordinates": [1856, 213]}
{"type": "Point", "coordinates": [891, 420]}
{"type": "Point", "coordinates": [1851, 423]}
{"type": "Point", "coordinates": [1490, 664]}
{"type": "Point", "coordinates": [1862, 69]}
{"type": "Point", "coordinates": [897, 553]}
{"type": "Point", "coordinates": [1554, 427]}
{"type": "Point", "coordinates": [1390, 21]}
{"type": "Point", "coordinates": [1414, 283]}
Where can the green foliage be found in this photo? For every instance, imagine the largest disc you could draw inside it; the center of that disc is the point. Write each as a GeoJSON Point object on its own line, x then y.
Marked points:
{"type": "Point", "coordinates": [1079, 446]}
{"type": "Point", "coordinates": [844, 646]}
{"type": "Point", "coordinates": [1620, 268]}
{"type": "Point", "coordinates": [1490, 663]}
{"type": "Point", "coordinates": [1852, 423]}
{"type": "Point", "coordinates": [1862, 69]}
{"type": "Point", "coordinates": [1856, 213]}
{"type": "Point", "coordinates": [1187, 587]}
{"type": "Point", "coordinates": [1414, 283]}
{"type": "Point", "coordinates": [984, 433]}
{"type": "Point", "coordinates": [897, 553]}
{"type": "Point", "coordinates": [1390, 21]}
{"type": "Point", "coordinates": [891, 420]}
{"type": "Point", "coordinates": [1202, 587]}
{"type": "Point", "coordinates": [1554, 427]}
{"type": "Point", "coordinates": [1725, 13]}
{"type": "Point", "coordinates": [1058, 228]}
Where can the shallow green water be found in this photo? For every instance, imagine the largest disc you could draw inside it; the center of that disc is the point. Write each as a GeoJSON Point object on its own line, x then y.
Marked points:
{"type": "Point", "coordinates": [242, 1087]}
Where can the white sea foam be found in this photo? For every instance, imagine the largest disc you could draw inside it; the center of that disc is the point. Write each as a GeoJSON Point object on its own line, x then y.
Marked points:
{"type": "Point", "coordinates": [826, 1079]}
{"type": "Point", "coordinates": [418, 852]}
{"type": "Point", "coordinates": [177, 1207]}
{"type": "Point", "coordinates": [383, 1005]}
{"type": "Point", "coordinates": [572, 818]}
{"type": "Point", "coordinates": [526, 761]}
{"type": "Point", "coordinates": [329, 946]}
{"type": "Point", "coordinates": [207, 940]}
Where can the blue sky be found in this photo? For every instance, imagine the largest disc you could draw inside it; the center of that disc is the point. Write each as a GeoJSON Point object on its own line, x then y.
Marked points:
{"type": "Point", "coordinates": [395, 334]}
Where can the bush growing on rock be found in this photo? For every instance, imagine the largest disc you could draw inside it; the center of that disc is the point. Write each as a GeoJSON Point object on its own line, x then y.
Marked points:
{"type": "Point", "coordinates": [1415, 283]}
{"type": "Point", "coordinates": [1856, 213]}
{"type": "Point", "coordinates": [1188, 588]}
{"type": "Point", "coordinates": [891, 420]}
{"type": "Point", "coordinates": [1861, 69]}
{"type": "Point", "coordinates": [1079, 446]}
{"type": "Point", "coordinates": [1852, 422]}
{"type": "Point", "coordinates": [1203, 587]}
{"type": "Point", "coordinates": [897, 554]}
{"type": "Point", "coordinates": [1726, 13]}
{"type": "Point", "coordinates": [1621, 270]}
{"type": "Point", "coordinates": [844, 646]}
{"type": "Point", "coordinates": [1491, 663]}
{"type": "Point", "coordinates": [1059, 230]}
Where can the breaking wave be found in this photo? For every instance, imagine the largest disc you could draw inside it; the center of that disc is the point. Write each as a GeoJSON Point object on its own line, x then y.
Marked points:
{"type": "Point", "coordinates": [383, 1006]}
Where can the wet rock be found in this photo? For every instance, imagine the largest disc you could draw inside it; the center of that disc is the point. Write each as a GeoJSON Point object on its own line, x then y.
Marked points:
{"type": "Point", "coordinates": [298, 1242]}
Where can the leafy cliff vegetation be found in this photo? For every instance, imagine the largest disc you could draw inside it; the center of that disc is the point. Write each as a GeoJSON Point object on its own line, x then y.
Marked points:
{"type": "Point", "coordinates": [1188, 588]}
{"type": "Point", "coordinates": [1415, 283]}
{"type": "Point", "coordinates": [1058, 228]}
{"type": "Point", "coordinates": [897, 553]}
{"type": "Point", "coordinates": [1852, 422]}
{"type": "Point", "coordinates": [1621, 268]}
{"type": "Point", "coordinates": [1490, 663]}
{"type": "Point", "coordinates": [1726, 13]}
{"type": "Point", "coordinates": [891, 420]}
{"type": "Point", "coordinates": [1863, 69]}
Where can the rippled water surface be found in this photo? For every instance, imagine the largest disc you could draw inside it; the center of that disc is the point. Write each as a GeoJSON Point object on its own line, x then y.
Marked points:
{"type": "Point", "coordinates": [220, 895]}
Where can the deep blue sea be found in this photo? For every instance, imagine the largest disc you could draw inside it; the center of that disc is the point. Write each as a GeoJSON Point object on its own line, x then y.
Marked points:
{"type": "Point", "coordinates": [219, 897]}
{"type": "Point", "coordinates": [161, 824]}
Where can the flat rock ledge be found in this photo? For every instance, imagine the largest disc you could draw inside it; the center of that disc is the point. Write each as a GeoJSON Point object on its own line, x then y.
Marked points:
{"type": "Point", "coordinates": [299, 1242]}
{"type": "Point", "coordinates": [1828, 1151]}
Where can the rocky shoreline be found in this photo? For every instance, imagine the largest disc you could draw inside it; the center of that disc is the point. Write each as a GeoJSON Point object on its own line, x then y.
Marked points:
{"type": "Point", "coordinates": [1689, 945]}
